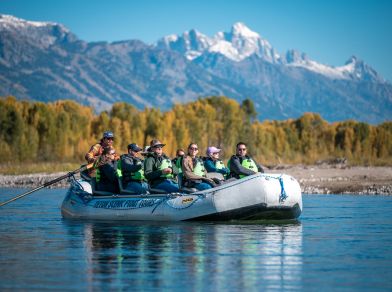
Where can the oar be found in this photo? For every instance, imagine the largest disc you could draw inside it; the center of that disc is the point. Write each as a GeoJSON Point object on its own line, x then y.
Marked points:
{"type": "Point", "coordinates": [69, 174]}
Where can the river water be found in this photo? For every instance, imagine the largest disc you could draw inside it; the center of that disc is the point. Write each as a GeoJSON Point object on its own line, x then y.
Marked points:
{"type": "Point", "coordinates": [338, 243]}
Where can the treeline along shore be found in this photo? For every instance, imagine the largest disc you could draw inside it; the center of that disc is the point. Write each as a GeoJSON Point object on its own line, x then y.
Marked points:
{"type": "Point", "coordinates": [314, 179]}
{"type": "Point", "coordinates": [63, 131]}
{"type": "Point", "coordinates": [339, 157]}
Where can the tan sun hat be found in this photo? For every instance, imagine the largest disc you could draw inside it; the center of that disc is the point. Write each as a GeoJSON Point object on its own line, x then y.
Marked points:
{"type": "Point", "coordinates": [155, 143]}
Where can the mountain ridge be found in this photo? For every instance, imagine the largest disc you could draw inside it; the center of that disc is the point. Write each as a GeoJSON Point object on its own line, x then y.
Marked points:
{"type": "Point", "coordinates": [46, 61]}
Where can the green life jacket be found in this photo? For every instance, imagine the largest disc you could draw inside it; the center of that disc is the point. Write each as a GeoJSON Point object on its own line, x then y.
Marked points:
{"type": "Point", "coordinates": [179, 164]}
{"type": "Point", "coordinates": [138, 175]}
{"type": "Point", "coordinates": [166, 163]}
{"type": "Point", "coordinates": [97, 175]}
{"type": "Point", "coordinates": [199, 169]}
{"type": "Point", "coordinates": [249, 164]}
{"type": "Point", "coordinates": [219, 164]}
{"type": "Point", "coordinates": [119, 170]}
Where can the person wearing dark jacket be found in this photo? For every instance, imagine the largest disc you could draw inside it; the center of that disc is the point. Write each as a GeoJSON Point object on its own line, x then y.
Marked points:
{"type": "Point", "coordinates": [242, 165]}
{"type": "Point", "coordinates": [132, 170]}
{"type": "Point", "coordinates": [159, 170]}
{"type": "Point", "coordinates": [106, 175]}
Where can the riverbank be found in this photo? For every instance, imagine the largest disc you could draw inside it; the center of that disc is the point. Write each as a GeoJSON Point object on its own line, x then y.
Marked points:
{"type": "Point", "coordinates": [340, 179]}
{"type": "Point", "coordinates": [316, 179]}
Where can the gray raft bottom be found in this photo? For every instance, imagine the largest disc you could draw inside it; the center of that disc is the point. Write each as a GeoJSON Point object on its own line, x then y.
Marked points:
{"type": "Point", "coordinates": [254, 212]}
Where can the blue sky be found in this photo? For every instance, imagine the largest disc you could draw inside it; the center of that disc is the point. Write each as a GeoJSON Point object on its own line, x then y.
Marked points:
{"type": "Point", "coordinates": [328, 31]}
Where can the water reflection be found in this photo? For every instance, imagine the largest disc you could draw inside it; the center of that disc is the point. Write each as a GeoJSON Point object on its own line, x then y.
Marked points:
{"type": "Point", "coordinates": [196, 256]}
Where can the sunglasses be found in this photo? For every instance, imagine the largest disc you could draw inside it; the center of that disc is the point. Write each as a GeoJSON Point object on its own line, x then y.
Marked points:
{"type": "Point", "coordinates": [110, 139]}
{"type": "Point", "coordinates": [193, 148]}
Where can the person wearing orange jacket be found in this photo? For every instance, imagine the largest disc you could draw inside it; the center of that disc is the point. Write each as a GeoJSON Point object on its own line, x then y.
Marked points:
{"type": "Point", "coordinates": [97, 149]}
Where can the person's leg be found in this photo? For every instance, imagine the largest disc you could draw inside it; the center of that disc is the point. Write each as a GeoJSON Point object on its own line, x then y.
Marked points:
{"type": "Point", "coordinates": [144, 186]}
{"type": "Point", "coordinates": [168, 186]}
{"type": "Point", "coordinates": [202, 186]}
{"type": "Point", "coordinates": [137, 187]}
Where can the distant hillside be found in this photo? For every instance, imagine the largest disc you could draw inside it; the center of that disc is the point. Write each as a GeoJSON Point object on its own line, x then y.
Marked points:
{"type": "Point", "coordinates": [63, 131]}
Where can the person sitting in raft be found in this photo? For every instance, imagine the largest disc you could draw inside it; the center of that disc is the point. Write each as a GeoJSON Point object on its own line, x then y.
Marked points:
{"type": "Point", "coordinates": [131, 170]}
{"type": "Point", "coordinates": [159, 170]}
{"type": "Point", "coordinates": [106, 174]}
{"type": "Point", "coordinates": [96, 150]}
{"type": "Point", "coordinates": [177, 161]}
{"type": "Point", "coordinates": [180, 153]}
{"type": "Point", "coordinates": [194, 173]}
{"type": "Point", "coordinates": [213, 163]}
{"type": "Point", "coordinates": [241, 165]}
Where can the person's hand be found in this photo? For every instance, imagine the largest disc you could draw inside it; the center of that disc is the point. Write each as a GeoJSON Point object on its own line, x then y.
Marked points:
{"type": "Point", "coordinates": [209, 181]}
{"type": "Point", "coordinates": [166, 170]}
{"type": "Point", "coordinates": [212, 183]}
{"type": "Point", "coordinates": [216, 180]}
{"type": "Point", "coordinates": [110, 157]}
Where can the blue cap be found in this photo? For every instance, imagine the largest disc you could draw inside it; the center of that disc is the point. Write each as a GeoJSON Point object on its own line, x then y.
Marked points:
{"type": "Point", "coordinates": [134, 147]}
{"type": "Point", "coordinates": [108, 134]}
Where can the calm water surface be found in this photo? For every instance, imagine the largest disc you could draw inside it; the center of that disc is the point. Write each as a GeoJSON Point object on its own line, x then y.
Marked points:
{"type": "Point", "coordinates": [339, 243]}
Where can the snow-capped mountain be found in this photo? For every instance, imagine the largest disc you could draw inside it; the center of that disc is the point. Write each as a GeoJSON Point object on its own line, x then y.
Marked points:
{"type": "Point", "coordinates": [45, 61]}
{"type": "Point", "coordinates": [43, 34]}
{"type": "Point", "coordinates": [241, 43]}
{"type": "Point", "coordinates": [353, 69]}
{"type": "Point", "coordinates": [236, 45]}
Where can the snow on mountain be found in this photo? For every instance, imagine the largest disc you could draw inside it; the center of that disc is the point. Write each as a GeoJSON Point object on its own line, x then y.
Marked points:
{"type": "Point", "coordinates": [237, 45]}
{"type": "Point", "coordinates": [354, 69]}
{"type": "Point", "coordinates": [43, 33]}
{"type": "Point", "coordinates": [8, 21]}
{"type": "Point", "coordinates": [44, 61]}
{"type": "Point", "coordinates": [241, 42]}
{"type": "Point", "coordinates": [296, 59]}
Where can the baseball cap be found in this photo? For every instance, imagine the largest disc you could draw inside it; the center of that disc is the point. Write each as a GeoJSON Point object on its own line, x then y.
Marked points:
{"type": "Point", "coordinates": [134, 147]}
{"type": "Point", "coordinates": [108, 134]}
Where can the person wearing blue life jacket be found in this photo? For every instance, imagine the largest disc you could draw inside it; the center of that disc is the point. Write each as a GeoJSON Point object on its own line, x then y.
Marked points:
{"type": "Point", "coordinates": [130, 170]}
{"type": "Point", "coordinates": [194, 173]}
{"type": "Point", "coordinates": [159, 170]}
{"type": "Point", "coordinates": [241, 164]}
{"type": "Point", "coordinates": [213, 163]}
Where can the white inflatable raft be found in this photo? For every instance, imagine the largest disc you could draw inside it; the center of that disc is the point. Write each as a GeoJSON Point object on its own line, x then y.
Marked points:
{"type": "Point", "coordinates": [260, 196]}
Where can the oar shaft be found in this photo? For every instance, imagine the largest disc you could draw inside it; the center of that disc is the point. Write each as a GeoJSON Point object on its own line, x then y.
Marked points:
{"type": "Point", "coordinates": [69, 174]}
{"type": "Point", "coordinates": [21, 196]}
